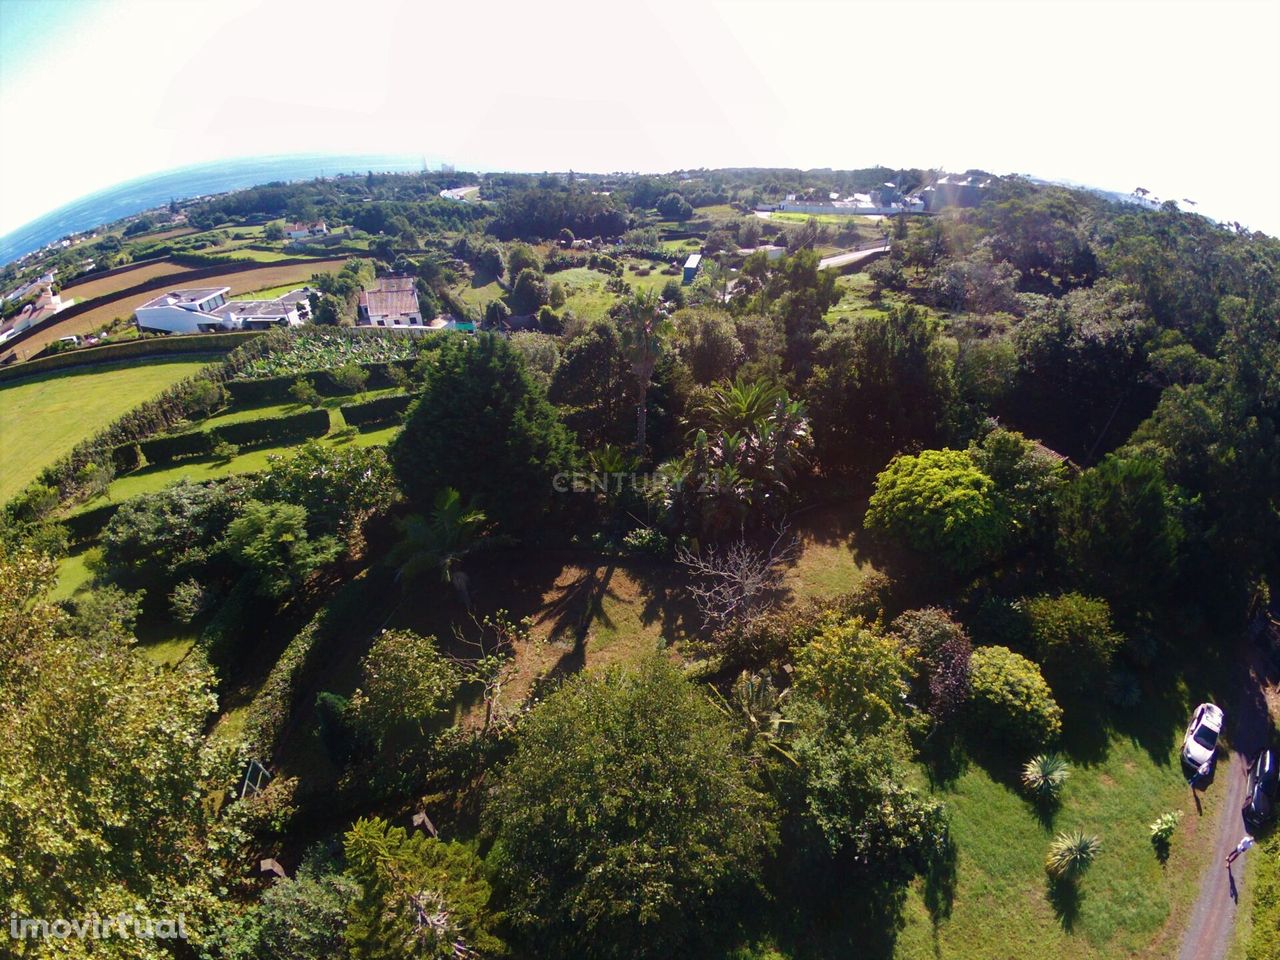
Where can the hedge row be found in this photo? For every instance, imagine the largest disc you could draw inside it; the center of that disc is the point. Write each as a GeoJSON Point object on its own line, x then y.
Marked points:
{"type": "Point", "coordinates": [269, 431]}
{"type": "Point", "coordinates": [378, 410]}
{"type": "Point", "coordinates": [130, 350]}
{"type": "Point", "coordinates": [274, 704]}
{"type": "Point", "coordinates": [276, 389]}
{"type": "Point", "coordinates": [87, 524]}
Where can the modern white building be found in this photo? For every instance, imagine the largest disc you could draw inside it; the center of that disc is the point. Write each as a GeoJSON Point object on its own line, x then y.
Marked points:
{"type": "Point", "coordinates": [392, 302]}
{"type": "Point", "coordinates": [207, 310]}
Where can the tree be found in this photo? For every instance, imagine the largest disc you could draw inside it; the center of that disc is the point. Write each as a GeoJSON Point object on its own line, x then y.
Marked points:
{"type": "Point", "coordinates": [941, 505]}
{"type": "Point", "coordinates": [270, 540]}
{"type": "Point", "coordinates": [496, 313]}
{"type": "Point", "coordinates": [106, 803]}
{"type": "Point", "coordinates": [879, 385]}
{"type": "Point", "coordinates": [1009, 700]}
{"type": "Point", "coordinates": [500, 442]}
{"type": "Point", "coordinates": [440, 542]}
{"type": "Point", "coordinates": [592, 384]}
{"type": "Point", "coordinates": [157, 540]}
{"type": "Point", "coordinates": [303, 917]}
{"type": "Point", "coordinates": [707, 342]}
{"type": "Point", "coordinates": [864, 813]}
{"type": "Point", "coordinates": [1027, 482]}
{"type": "Point", "coordinates": [1121, 530]}
{"type": "Point", "coordinates": [643, 326]}
{"type": "Point", "coordinates": [339, 487]}
{"type": "Point", "coordinates": [273, 231]}
{"type": "Point", "coordinates": [405, 683]}
{"type": "Point", "coordinates": [674, 207]}
{"type": "Point", "coordinates": [420, 898]}
{"type": "Point", "coordinates": [855, 673]}
{"type": "Point", "coordinates": [529, 292]}
{"type": "Point", "coordinates": [521, 257]}
{"type": "Point", "coordinates": [622, 816]}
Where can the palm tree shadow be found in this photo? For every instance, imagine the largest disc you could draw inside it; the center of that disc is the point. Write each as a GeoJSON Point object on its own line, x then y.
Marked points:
{"type": "Point", "coordinates": [1065, 897]}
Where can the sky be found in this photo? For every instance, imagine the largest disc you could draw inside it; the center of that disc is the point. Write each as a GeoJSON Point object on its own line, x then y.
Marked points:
{"type": "Point", "coordinates": [1179, 98]}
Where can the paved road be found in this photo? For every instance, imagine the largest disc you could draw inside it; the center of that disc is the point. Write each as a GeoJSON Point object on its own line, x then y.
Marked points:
{"type": "Point", "coordinates": [458, 193]}
{"type": "Point", "coordinates": [841, 260]}
{"type": "Point", "coordinates": [1213, 915]}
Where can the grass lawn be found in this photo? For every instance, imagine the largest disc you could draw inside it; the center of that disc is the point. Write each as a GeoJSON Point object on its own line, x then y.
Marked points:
{"type": "Point", "coordinates": [1129, 904]}
{"type": "Point", "coordinates": [73, 576]}
{"type": "Point", "coordinates": [585, 292]}
{"type": "Point", "coordinates": [269, 293]}
{"type": "Point", "coordinates": [43, 418]}
{"type": "Point", "coordinates": [198, 469]}
{"type": "Point", "coordinates": [655, 280]}
{"type": "Point", "coordinates": [479, 292]}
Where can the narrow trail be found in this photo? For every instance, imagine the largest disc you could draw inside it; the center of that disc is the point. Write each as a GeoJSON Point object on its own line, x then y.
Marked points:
{"type": "Point", "coordinates": [1213, 916]}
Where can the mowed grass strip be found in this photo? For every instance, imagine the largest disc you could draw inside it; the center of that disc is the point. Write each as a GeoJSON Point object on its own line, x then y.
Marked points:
{"type": "Point", "coordinates": [43, 418]}
{"type": "Point", "coordinates": [242, 282]}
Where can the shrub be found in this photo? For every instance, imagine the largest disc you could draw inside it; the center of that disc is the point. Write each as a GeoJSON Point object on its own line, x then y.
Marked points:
{"type": "Point", "coordinates": [189, 599]}
{"type": "Point", "coordinates": [1044, 775]}
{"type": "Point", "coordinates": [1072, 638]}
{"type": "Point", "coordinates": [1071, 854]}
{"type": "Point", "coordinates": [406, 682]}
{"type": "Point", "coordinates": [1162, 828]}
{"type": "Point", "coordinates": [940, 650]}
{"type": "Point", "coordinates": [351, 377]}
{"type": "Point", "coordinates": [1010, 700]}
{"type": "Point", "coordinates": [127, 457]}
{"type": "Point", "coordinates": [304, 391]}
{"type": "Point", "coordinates": [225, 450]}
{"type": "Point", "coordinates": [648, 540]}
{"type": "Point", "coordinates": [854, 672]}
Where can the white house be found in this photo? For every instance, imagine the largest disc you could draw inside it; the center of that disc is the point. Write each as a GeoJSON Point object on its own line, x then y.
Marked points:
{"type": "Point", "coordinates": [300, 231]}
{"type": "Point", "coordinates": [393, 302]}
{"type": "Point", "coordinates": [207, 310]}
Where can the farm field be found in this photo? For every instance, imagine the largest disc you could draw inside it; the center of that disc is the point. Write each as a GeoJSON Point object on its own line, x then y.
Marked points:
{"type": "Point", "coordinates": [91, 289]}
{"type": "Point", "coordinates": [244, 281]}
{"type": "Point", "coordinates": [43, 418]}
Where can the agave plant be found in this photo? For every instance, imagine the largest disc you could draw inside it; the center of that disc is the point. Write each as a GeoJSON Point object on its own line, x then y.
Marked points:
{"type": "Point", "coordinates": [1162, 828]}
{"type": "Point", "coordinates": [1071, 854]}
{"type": "Point", "coordinates": [1043, 776]}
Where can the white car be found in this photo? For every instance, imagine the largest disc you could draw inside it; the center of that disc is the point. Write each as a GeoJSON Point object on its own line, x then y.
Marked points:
{"type": "Point", "coordinates": [1201, 741]}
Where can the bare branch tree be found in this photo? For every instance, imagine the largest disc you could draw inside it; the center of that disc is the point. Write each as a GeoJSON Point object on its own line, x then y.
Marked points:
{"type": "Point", "coordinates": [737, 582]}
{"type": "Point", "coordinates": [491, 660]}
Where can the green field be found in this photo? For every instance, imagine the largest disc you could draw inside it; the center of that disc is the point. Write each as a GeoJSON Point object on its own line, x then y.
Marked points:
{"type": "Point", "coordinates": [43, 418]}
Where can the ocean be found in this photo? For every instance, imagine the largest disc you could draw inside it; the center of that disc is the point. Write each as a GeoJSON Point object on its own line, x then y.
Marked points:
{"type": "Point", "coordinates": [134, 196]}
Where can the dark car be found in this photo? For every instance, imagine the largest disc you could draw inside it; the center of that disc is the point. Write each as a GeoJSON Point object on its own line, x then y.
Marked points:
{"type": "Point", "coordinates": [1260, 800]}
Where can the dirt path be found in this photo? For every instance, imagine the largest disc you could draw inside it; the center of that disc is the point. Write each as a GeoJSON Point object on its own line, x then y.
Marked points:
{"type": "Point", "coordinates": [1213, 915]}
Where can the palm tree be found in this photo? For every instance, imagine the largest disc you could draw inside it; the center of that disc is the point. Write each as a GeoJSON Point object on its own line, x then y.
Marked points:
{"type": "Point", "coordinates": [643, 324]}
{"type": "Point", "coordinates": [440, 542]}
{"type": "Point", "coordinates": [738, 406]}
